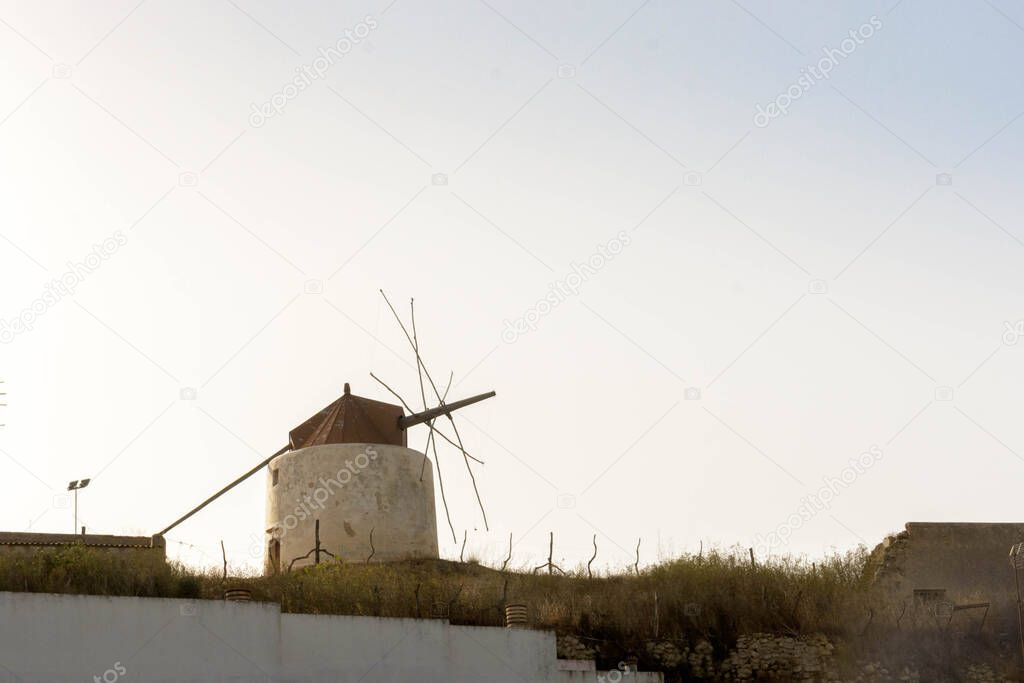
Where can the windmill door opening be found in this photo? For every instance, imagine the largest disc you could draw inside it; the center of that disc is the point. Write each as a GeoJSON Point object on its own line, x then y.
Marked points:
{"type": "Point", "coordinates": [275, 555]}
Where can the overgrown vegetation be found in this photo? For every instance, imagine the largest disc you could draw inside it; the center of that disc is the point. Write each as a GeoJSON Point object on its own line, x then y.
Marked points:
{"type": "Point", "coordinates": [716, 594]}
{"type": "Point", "coordinates": [82, 570]}
{"type": "Point", "coordinates": [713, 598]}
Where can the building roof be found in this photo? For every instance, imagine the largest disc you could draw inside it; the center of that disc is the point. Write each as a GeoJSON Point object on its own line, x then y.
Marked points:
{"type": "Point", "coordinates": [351, 419]}
{"type": "Point", "coordinates": [93, 540]}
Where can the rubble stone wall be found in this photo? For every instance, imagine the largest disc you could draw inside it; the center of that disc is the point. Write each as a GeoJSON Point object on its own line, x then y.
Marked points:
{"type": "Point", "coordinates": [968, 561]}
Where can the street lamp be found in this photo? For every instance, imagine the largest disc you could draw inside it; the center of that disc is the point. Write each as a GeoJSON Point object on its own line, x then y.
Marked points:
{"type": "Point", "coordinates": [74, 485]}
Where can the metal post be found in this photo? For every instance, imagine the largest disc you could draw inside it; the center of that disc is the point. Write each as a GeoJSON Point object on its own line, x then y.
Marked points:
{"type": "Point", "coordinates": [1020, 616]}
{"type": "Point", "coordinates": [74, 485]}
{"type": "Point", "coordinates": [1016, 552]}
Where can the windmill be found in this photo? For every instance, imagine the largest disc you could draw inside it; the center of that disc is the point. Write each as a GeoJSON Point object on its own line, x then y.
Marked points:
{"type": "Point", "coordinates": [346, 484]}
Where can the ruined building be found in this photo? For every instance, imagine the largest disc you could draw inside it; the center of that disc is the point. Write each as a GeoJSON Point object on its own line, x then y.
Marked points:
{"type": "Point", "coordinates": [956, 571]}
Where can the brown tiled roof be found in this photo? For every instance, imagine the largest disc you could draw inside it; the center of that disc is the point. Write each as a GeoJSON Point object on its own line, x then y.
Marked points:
{"type": "Point", "coordinates": [351, 419]}
{"type": "Point", "coordinates": [92, 540]}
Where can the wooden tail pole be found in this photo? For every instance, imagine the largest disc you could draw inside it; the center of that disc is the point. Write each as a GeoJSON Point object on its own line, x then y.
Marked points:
{"type": "Point", "coordinates": [224, 490]}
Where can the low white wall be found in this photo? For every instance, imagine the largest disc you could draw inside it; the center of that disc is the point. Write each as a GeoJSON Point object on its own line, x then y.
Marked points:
{"type": "Point", "coordinates": [410, 649]}
{"type": "Point", "coordinates": [56, 638]}
{"type": "Point", "coordinates": [71, 638]}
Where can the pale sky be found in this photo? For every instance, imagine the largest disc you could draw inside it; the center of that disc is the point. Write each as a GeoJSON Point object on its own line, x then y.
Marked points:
{"type": "Point", "coordinates": [789, 292]}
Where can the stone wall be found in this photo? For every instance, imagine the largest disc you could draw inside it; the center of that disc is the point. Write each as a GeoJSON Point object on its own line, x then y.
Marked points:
{"type": "Point", "coordinates": [353, 490]}
{"type": "Point", "coordinates": [933, 566]}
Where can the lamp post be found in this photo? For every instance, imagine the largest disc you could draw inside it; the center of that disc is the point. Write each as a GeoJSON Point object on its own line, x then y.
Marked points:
{"type": "Point", "coordinates": [74, 485]}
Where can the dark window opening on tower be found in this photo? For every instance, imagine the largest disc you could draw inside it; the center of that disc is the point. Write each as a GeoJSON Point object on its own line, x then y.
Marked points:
{"type": "Point", "coordinates": [275, 555]}
{"type": "Point", "coordinates": [273, 477]}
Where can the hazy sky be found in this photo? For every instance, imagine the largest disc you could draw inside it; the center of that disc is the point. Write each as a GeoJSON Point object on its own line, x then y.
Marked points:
{"type": "Point", "coordinates": [765, 246]}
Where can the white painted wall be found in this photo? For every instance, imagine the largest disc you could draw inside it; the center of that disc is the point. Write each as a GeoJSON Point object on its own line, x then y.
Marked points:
{"type": "Point", "coordinates": [56, 638]}
{"type": "Point", "coordinates": [72, 638]}
{"type": "Point", "coordinates": [353, 489]}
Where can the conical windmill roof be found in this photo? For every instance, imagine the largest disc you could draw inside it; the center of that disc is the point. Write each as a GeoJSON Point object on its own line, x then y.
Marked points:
{"type": "Point", "coordinates": [351, 419]}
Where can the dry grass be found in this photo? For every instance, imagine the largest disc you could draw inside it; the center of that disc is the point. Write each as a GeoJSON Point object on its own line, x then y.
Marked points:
{"type": "Point", "coordinates": [82, 570]}
{"type": "Point", "coordinates": [717, 595]}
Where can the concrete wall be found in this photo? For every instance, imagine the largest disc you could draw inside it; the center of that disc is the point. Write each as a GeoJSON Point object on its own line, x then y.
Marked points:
{"type": "Point", "coordinates": [970, 561]}
{"type": "Point", "coordinates": [352, 489]}
{"type": "Point", "coordinates": [57, 638]}
{"type": "Point", "coordinates": [65, 638]}
{"type": "Point", "coordinates": [412, 650]}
